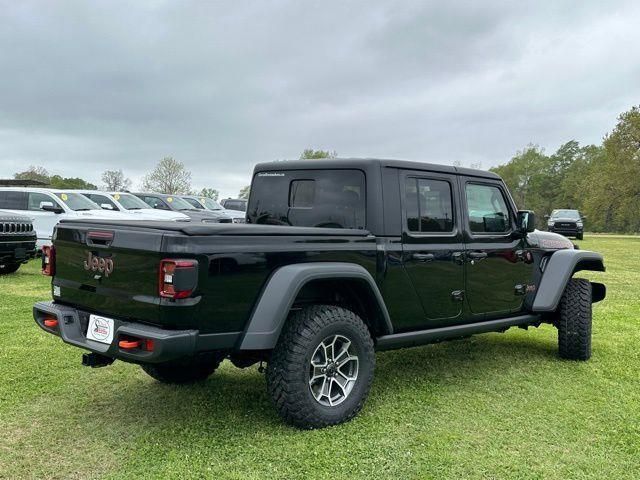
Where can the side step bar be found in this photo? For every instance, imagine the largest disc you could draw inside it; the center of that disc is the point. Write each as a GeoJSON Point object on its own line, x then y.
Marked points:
{"type": "Point", "coordinates": [422, 337]}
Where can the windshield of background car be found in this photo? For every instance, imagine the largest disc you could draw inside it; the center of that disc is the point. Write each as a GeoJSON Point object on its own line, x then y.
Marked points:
{"type": "Point", "coordinates": [178, 204]}
{"type": "Point", "coordinates": [240, 205]}
{"type": "Point", "coordinates": [211, 204]}
{"type": "Point", "coordinates": [308, 198]}
{"type": "Point", "coordinates": [566, 214]}
{"type": "Point", "coordinates": [129, 202]}
{"type": "Point", "coordinates": [77, 202]}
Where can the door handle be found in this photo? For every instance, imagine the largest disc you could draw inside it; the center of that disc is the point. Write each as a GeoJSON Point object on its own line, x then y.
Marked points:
{"type": "Point", "coordinates": [423, 257]}
{"type": "Point", "coordinates": [458, 257]}
{"type": "Point", "coordinates": [477, 255]}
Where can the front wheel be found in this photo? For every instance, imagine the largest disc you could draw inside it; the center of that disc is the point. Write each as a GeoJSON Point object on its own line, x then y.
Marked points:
{"type": "Point", "coordinates": [321, 370]}
{"type": "Point", "coordinates": [9, 268]}
{"type": "Point", "coordinates": [580, 236]}
{"type": "Point", "coordinates": [574, 323]}
{"type": "Point", "coordinates": [184, 371]}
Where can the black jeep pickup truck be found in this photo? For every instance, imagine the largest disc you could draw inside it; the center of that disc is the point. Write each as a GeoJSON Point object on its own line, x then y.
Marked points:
{"type": "Point", "coordinates": [340, 258]}
{"type": "Point", "coordinates": [17, 241]}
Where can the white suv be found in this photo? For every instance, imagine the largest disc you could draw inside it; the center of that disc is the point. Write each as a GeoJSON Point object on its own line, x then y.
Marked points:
{"type": "Point", "coordinates": [48, 206]}
{"type": "Point", "coordinates": [129, 203]}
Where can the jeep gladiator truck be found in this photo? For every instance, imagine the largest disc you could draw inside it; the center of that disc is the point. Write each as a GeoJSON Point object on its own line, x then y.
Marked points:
{"type": "Point", "coordinates": [339, 258]}
{"type": "Point", "coordinates": [17, 241]}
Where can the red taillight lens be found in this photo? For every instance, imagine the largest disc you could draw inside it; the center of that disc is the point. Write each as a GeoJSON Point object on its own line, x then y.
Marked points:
{"type": "Point", "coordinates": [49, 260]}
{"type": "Point", "coordinates": [178, 278]}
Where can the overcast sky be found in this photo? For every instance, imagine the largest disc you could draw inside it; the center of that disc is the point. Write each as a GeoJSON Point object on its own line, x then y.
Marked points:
{"type": "Point", "coordinates": [220, 86]}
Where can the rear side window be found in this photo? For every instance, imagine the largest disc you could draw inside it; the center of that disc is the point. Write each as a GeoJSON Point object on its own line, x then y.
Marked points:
{"type": "Point", "coordinates": [487, 209]}
{"type": "Point", "coordinates": [428, 205]}
{"type": "Point", "coordinates": [309, 198]}
{"type": "Point", "coordinates": [13, 200]}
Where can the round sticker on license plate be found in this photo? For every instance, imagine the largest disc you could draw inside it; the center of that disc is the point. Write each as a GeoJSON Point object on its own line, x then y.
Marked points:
{"type": "Point", "coordinates": [100, 329]}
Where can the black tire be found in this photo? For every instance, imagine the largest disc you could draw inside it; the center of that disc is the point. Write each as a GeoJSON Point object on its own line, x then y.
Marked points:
{"type": "Point", "coordinates": [574, 323]}
{"type": "Point", "coordinates": [186, 371]}
{"type": "Point", "coordinates": [8, 268]}
{"type": "Point", "coordinates": [580, 236]}
{"type": "Point", "coordinates": [289, 369]}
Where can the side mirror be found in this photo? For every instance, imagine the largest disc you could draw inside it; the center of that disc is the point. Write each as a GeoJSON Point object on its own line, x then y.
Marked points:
{"type": "Point", "coordinates": [106, 206]}
{"type": "Point", "coordinates": [547, 217]}
{"type": "Point", "coordinates": [50, 207]}
{"type": "Point", "coordinates": [526, 221]}
{"type": "Point", "coordinates": [583, 217]}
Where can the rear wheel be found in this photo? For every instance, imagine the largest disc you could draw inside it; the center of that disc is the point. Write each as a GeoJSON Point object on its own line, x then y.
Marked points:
{"type": "Point", "coordinates": [190, 370]}
{"type": "Point", "coordinates": [9, 268]}
{"type": "Point", "coordinates": [574, 323]}
{"type": "Point", "coordinates": [322, 368]}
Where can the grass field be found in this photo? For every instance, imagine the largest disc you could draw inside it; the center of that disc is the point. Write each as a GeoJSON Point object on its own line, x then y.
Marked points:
{"type": "Point", "coordinates": [494, 406]}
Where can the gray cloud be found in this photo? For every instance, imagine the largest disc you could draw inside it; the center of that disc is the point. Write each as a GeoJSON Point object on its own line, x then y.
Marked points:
{"type": "Point", "coordinates": [223, 85]}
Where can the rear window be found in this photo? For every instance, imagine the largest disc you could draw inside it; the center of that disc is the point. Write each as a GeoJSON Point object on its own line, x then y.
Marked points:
{"type": "Point", "coordinates": [308, 198]}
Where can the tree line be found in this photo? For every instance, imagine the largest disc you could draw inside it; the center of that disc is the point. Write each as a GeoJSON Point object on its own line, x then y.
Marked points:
{"type": "Point", "coordinates": [602, 181]}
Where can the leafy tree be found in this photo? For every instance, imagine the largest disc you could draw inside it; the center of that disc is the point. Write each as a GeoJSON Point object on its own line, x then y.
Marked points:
{"type": "Point", "coordinates": [69, 183]}
{"type": "Point", "coordinates": [244, 192]}
{"type": "Point", "coordinates": [115, 181]}
{"type": "Point", "coordinates": [209, 193]}
{"type": "Point", "coordinates": [37, 173]}
{"type": "Point", "coordinates": [169, 176]}
{"type": "Point", "coordinates": [311, 154]}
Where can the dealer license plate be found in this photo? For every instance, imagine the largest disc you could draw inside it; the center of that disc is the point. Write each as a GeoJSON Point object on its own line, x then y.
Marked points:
{"type": "Point", "coordinates": [100, 329]}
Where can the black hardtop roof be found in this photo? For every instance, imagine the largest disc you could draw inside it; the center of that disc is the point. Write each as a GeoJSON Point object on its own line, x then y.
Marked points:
{"type": "Point", "coordinates": [367, 163]}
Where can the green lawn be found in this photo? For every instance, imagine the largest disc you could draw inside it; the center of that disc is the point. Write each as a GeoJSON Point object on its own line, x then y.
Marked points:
{"type": "Point", "coordinates": [494, 406]}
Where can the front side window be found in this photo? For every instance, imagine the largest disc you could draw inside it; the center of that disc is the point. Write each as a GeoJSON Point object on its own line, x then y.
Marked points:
{"type": "Point", "coordinates": [102, 200]}
{"type": "Point", "coordinates": [428, 205]}
{"type": "Point", "coordinates": [35, 199]}
{"type": "Point", "coordinates": [309, 198]}
{"type": "Point", "coordinates": [487, 209]}
{"type": "Point", "coordinates": [155, 202]}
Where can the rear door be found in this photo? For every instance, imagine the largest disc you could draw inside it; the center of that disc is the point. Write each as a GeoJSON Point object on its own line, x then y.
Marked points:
{"type": "Point", "coordinates": [498, 266]}
{"type": "Point", "coordinates": [432, 244]}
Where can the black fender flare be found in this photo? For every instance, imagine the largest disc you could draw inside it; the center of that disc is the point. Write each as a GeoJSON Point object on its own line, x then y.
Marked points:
{"type": "Point", "coordinates": [559, 269]}
{"type": "Point", "coordinates": [281, 289]}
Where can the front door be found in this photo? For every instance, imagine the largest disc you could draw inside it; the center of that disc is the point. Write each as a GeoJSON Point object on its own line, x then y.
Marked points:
{"type": "Point", "coordinates": [432, 245]}
{"type": "Point", "coordinates": [498, 265]}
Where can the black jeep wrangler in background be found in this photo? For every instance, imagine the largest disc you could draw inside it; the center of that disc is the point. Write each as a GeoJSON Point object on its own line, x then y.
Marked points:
{"type": "Point", "coordinates": [17, 241]}
{"type": "Point", "coordinates": [340, 258]}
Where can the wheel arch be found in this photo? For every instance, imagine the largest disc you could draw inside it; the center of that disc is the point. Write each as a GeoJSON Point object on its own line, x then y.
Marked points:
{"type": "Point", "coordinates": [560, 268]}
{"type": "Point", "coordinates": [303, 282]}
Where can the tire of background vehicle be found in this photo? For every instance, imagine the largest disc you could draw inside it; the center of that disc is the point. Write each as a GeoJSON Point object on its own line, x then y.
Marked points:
{"type": "Point", "coordinates": [290, 369]}
{"type": "Point", "coordinates": [9, 268]}
{"type": "Point", "coordinates": [574, 323]}
{"type": "Point", "coordinates": [191, 370]}
{"type": "Point", "coordinates": [580, 236]}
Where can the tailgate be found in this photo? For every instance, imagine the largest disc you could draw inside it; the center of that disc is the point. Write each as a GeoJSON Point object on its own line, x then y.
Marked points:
{"type": "Point", "coordinates": [109, 270]}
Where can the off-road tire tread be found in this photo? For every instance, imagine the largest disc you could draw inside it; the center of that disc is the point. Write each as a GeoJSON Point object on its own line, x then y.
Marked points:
{"type": "Point", "coordinates": [288, 394]}
{"type": "Point", "coordinates": [184, 372]}
{"type": "Point", "coordinates": [574, 322]}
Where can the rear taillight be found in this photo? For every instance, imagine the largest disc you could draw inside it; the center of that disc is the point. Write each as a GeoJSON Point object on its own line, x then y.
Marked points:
{"type": "Point", "coordinates": [178, 278]}
{"type": "Point", "coordinates": [49, 260]}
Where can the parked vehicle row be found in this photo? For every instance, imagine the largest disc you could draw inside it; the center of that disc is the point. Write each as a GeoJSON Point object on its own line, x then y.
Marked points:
{"type": "Point", "coordinates": [46, 207]}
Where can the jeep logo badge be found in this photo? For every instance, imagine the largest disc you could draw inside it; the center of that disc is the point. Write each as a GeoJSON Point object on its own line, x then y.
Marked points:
{"type": "Point", "coordinates": [98, 264]}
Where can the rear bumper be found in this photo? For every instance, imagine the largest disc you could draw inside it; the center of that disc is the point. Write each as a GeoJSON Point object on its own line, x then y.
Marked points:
{"type": "Point", "coordinates": [167, 344]}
